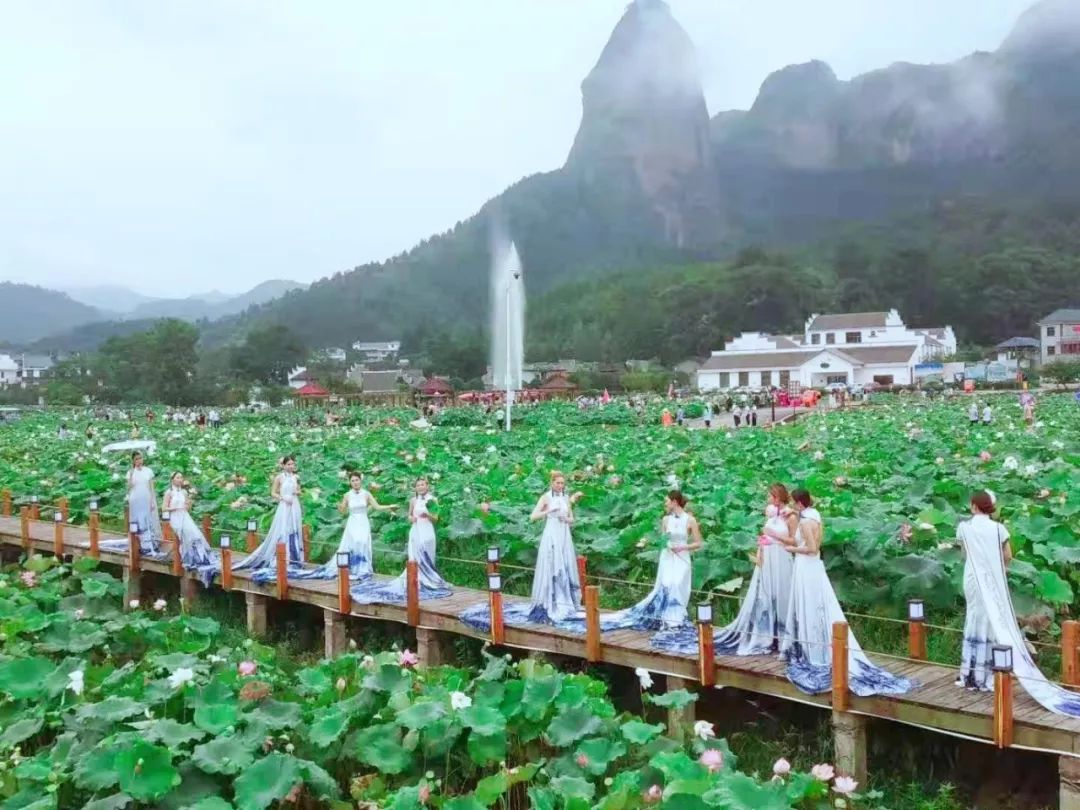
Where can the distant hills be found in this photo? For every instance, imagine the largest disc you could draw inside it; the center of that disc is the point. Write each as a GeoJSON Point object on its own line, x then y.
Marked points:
{"type": "Point", "coordinates": [35, 315]}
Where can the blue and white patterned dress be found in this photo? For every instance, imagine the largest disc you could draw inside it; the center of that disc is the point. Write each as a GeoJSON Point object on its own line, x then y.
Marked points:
{"type": "Point", "coordinates": [287, 525]}
{"type": "Point", "coordinates": [355, 540]}
{"type": "Point", "coordinates": [196, 553]}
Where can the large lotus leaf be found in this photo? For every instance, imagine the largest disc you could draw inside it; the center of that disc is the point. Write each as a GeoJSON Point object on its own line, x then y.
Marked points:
{"type": "Point", "coordinates": [217, 717]}
{"type": "Point", "coordinates": [30, 799]}
{"type": "Point", "coordinates": [174, 661]}
{"type": "Point", "coordinates": [483, 720]}
{"type": "Point", "coordinates": [542, 798]}
{"type": "Point", "coordinates": [97, 770]}
{"type": "Point", "coordinates": [676, 765]}
{"type": "Point", "coordinates": [145, 771]}
{"type": "Point", "coordinates": [539, 696]}
{"type": "Point", "coordinates": [574, 787]}
{"type": "Point", "coordinates": [673, 699]}
{"type": "Point", "coordinates": [917, 576]}
{"type": "Point", "coordinates": [1053, 588]}
{"type": "Point", "coordinates": [21, 730]}
{"type": "Point", "coordinates": [1061, 554]}
{"type": "Point", "coordinates": [214, 693]}
{"type": "Point", "coordinates": [599, 753]}
{"type": "Point", "coordinates": [112, 709]}
{"type": "Point", "coordinates": [571, 725]}
{"type": "Point", "coordinates": [489, 789]}
{"type": "Point", "coordinates": [328, 726]}
{"type": "Point", "coordinates": [318, 780]}
{"type": "Point", "coordinates": [381, 747]}
{"type": "Point", "coordinates": [267, 781]}
{"type": "Point", "coordinates": [209, 803]}
{"type": "Point", "coordinates": [195, 785]}
{"type": "Point", "coordinates": [639, 733]}
{"type": "Point", "coordinates": [421, 715]}
{"type": "Point", "coordinates": [169, 732]}
{"type": "Point", "coordinates": [228, 754]}
{"type": "Point", "coordinates": [276, 714]}
{"type": "Point", "coordinates": [24, 678]}
{"type": "Point", "coordinates": [388, 678]}
{"type": "Point", "coordinates": [486, 749]}
{"type": "Point", "coordinates": [313, 681]}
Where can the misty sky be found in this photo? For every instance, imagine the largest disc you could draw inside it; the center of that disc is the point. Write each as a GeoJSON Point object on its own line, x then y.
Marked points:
{"type": "Point", "coordinates": [177, 147]}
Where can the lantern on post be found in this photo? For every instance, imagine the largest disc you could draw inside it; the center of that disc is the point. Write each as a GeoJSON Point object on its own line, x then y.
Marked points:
{"type": "Point", "coordinates": [95, 529]}
{"type": "Point", "coordinates": [493, 559]}
{"type": "Point", "coordinates": [252, 542]}
{"type": "Point", "coordinates": [226, 562]}
{"type": "Point", "coordinates": [1002, 665]}
{"type": "Point", "coordinates": [58, 534]}
{"type": "Point", "coordinates": [134, 550]}
{"type": "Point", "coordinates": [916, 629]}
{"type": "Point", "coordinates": [706, 648]}
{"type": "Point", "coordinates": [498, 629]}
{"type": "Point", "coordinates": [344, 594]}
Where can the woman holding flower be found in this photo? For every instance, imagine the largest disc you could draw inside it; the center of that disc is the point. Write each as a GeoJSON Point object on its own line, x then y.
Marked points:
{"type": "Point", "coordinates": [556, 588]}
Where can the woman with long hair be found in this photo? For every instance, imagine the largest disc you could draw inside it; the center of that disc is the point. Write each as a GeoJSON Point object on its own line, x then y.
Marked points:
{"type": "Point", "coordinates": [421, 550]}
{"type": "Point", "coordinates": [990, 619]}
{"type": "Point", "coordinates": [355, 540]}
{"type": "Point", "coordinates": [142, 504]}
{"type": "Point", "coordinates": [760, 622]}
{"type": "Point", "coordinates": [806, 643]}
{"type": "Point", "coordinates": [287, 526]}
{"type": "Point", "coordinates": [195, 552]}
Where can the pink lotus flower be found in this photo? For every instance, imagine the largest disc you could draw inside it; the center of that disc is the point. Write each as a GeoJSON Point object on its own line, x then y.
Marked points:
{"type": "Point", "coordinates": [839, 481]}
{"type": "Point", "coordinates": [653, 794]}
{"type": "Point", "coordinates": [823, 772]}
{"type": "Point", "coordinates": [906, 532]}
{"type": "Point", "coordinates": [985, 456]}
{"type": "Point", "coordinates": [582, 761]}
{"type": "Point", "coordinates": [845, 785]}
{"type": "Point", "coordinates": [408, 658]}
{"type": "Point", "coordinates": [712, 759]}
{"type": "Point", "coordinates": [485, 507]}
{"type": "Point", "coordinates": [29, 579]}
{"type": "Point", "coordinates": [424, 794]}
{"type": "Point", "coordinates": [246, 668]}
{"type": "Point", "coordinates": [781, 767]}
{"type": "Point", "coordinates": [763, 540]}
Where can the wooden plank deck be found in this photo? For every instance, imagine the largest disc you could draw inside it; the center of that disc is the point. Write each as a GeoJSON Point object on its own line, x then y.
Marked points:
{"type": "Point", "coordinates": [936, 704]}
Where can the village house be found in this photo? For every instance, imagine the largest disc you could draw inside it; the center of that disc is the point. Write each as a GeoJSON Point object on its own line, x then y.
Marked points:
{"type": "Point", "coordinates": [851, 349]}
{"type": "Point", "coordinates": [9, 370]}
{"type": "Point", "coordinates": [1059, 335]}
{"type": "Point", "coordinates": [377, 352]}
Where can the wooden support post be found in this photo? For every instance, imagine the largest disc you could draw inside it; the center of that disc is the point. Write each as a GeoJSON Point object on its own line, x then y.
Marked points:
{"type": "Point", "coordinates": [252, 541]}
{"type": "Point", "coordinates": [581, 571]}
{"type": "Point", "coordinates": [189, 591]}
{"type": "Point", "coordinates": [24, 527]}
{"type": "Point", "coordinates": [95, 534]}
{"type": "Point", "coordinates": [307, 543]}
{"type": "Point", "coordinates": [226, 567]}
{"type": "Point", "coordinates": [256, 614]}
{"type": "Point", "coordinates": [498, 627]}
{"type": "Point", "coordinates": [127, 514]}
{"type": "Point", "coordinates": [207, 528]}
{"type": "Point", "coordinates": [344, 593]}
{"type": "Point", "coordinates": [134, 550]}
{"type": "Point", "coordinates": [840, 696]}
{"type": "Point", "coordinates": [917, 640]}
{"type": "Point", "coordinates": [58, 535]}
{"type": "Point", "coordinates": [592, 624]}
{"type": "Point", "coordinates": [5, 503]}
{"type": "Point", "coordinates": [849, 745]}
{"type": "Point", "coordinates": [132, 587]}
{"type": "Point", "coordinates": [1068, 783]}
{"type": "Point", "coordinates": [433, 647]}
{"type": "Point", "coordinates": [62, 505]}
{"type": "Point", "coordinates": [35, 509]}
{"type": "Point", "coordinates": [282, 565]}
{"type": "Point", "coordinates": [1070, 665]}
{"type": "Point", "coordinates": [335, 640]}
{"type": "Point", "coordinates": [1003, 709]}
{"type": "Point", "coordinates": [706, 654]}
{"type": "Point", "coordinates": [412, 593]}
{"type": "Point", "coordinates": [177, 563]}
{"type": "Point", "coordinates": [680, 722]}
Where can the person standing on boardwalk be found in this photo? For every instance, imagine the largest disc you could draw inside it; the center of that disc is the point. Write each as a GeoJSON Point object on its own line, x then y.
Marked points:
{"type": "Point", "coordinates": [142, 503]}
{"type": "Point", "coordinates": [556, 588]}
{"type": "Point", "coordinates": [195, 552]}
{"type": "Point", "coordinates": [287, 526]}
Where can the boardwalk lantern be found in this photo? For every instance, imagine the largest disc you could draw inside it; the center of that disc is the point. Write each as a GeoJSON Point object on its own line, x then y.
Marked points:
{"type": "Point", "coordinates": [226, 562]}
{"type": "Point", "coordinates": [498, 629]}
{"type": "Point", "coordinates": [706, 649]}
{"type": "Point", "coordinates": [916, 629]}
{"type": "Point", "coordinates": [1002, 664]}
{"type": "Point", "coordinates": [344, 594]}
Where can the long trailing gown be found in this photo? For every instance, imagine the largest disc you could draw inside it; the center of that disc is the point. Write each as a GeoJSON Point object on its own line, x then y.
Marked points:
{"type": "Point", "coordinates": [356, 540]}
{"type": "Point", "coordinates": [142, 510]}
{"type": "Point", "coordinates": [287, 525]}
{"type": "Point", "coordinates": [556, 587]}
{"type": "Point", "coordinates": [196, 553]}
{"type": "Point", "coordinates": [763, 613]}
{"type": "Point", "coordinates": [990, 619]}
{"type": "Point", "coordinates": [806, 644]}
{"type": "Point", "coordinates": [422, 552]}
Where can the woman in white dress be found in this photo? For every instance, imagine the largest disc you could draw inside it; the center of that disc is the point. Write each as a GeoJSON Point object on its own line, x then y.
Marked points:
{"type": "Point", "coordinates": [760, 623]}
{"type": "Point", "coordinates": [195, 552]}
{"type": "Point", "coordinates": [142, 504]}
{"type": "Point", "coordinates": [806, 644]}
{"type": "Point", "coordinates": [356, 539]}
{"type": "Point", "coordinates": [421, 550]}
{"type": "Point", "coordinates": [287, 526]}
{"type": "Point", "coordinates": [990, 618]}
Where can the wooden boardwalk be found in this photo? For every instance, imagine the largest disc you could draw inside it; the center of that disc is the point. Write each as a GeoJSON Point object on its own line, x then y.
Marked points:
{"type": "Point", "coordinates": [936, 704]}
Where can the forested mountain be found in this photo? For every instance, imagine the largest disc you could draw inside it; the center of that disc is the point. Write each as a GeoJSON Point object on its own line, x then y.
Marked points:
{"type": "Point", "coordinates": [28, 312]}
{"type": "Point", "coordinates": [651, 182]}
{"type": "Point", "coordinates": [987, 271]}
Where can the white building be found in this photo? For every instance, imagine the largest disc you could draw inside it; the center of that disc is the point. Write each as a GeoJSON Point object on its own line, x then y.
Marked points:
{"type": "Point", "coordinates": [1059, 336]}
{"type": "Point", "coordinates": [9, 370]}
{"type": "Point", "coordinates": [378, 352]}
{"type": "Point", "coordinates": [854, 348]}
{"type": "Point", "coordinates": [299, 377]}
{"type": "Point", "coordinates": [34, 367]}
{"type": "Point", "coordinates": [333, 354]}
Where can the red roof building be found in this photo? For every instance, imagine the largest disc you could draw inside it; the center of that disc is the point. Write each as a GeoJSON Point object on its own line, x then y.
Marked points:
{"type": "Point", "coordinates": [436, 387]}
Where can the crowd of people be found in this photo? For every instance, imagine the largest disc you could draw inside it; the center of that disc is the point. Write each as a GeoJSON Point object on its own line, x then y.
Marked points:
{"type": "Point", "coordinates": [788, 610]}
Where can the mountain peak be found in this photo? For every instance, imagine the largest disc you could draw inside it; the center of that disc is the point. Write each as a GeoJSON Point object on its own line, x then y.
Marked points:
{"type": "Point", "coordinates": [644, 122]}
{"type": "Point", "coordinates": [1048, 28]}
